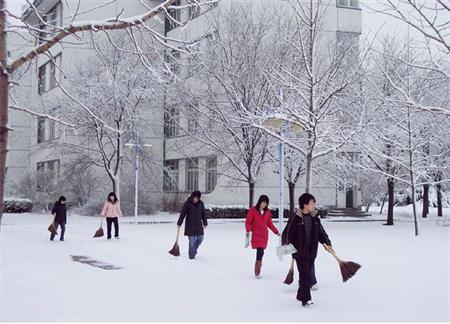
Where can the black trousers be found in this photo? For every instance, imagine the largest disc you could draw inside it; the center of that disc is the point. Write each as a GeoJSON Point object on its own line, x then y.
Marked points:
{"type": "Point", "coordinates": [259, 254]}
{"type": "Point", "coordinates": [63, 230]}
{"type": "Point", "coordinates": [304, 266]}
{"type": "Point", "coordinates": [109, 221]}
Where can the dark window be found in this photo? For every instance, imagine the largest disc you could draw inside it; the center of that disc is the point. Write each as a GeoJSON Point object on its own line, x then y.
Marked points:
{"type": "Point", "coordinates": [171, 122]}
{"type": "Point", "coordinates": [193, 120]}
{"type": "Point", "coordinates": [41, 129]}
{"type": "Point", "coordinates": [192, 174]}
{"type": "Point", "coordinates": [53, 17]}
{"type": "Point", "coordinates": [348, 3]}
{"type": "Point", "coordinates": [211, 173]}
{"type": "Point", "coordinates": [170, 175]}
{"type": "Point", "coordinates": [42, 82]}
{"type": "Point", "coordinates": [175, 17]}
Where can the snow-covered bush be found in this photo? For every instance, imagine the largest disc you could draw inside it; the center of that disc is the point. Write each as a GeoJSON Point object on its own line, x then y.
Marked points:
{"type": "Point", "coordinates": [17, 205]}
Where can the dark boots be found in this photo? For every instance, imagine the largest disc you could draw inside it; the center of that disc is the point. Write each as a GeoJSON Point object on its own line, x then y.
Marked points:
{"type": "Point", "coordinates": [258, 265]}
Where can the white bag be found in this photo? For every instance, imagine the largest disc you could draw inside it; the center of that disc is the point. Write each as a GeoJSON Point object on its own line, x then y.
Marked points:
{"type": "Point", "coordinates": [285, 249]}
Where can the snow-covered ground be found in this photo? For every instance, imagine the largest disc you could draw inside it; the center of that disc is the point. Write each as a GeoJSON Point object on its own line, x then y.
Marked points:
{"type": "Point", "coordinates": [403, 278]}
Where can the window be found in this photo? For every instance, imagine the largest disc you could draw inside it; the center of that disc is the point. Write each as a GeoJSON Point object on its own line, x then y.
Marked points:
{"type": "Point", "coordinates": [170, 176]}
{"type": "Point", "coordinates": [42, 81]}
{"type": "Point", "coordinates": [194, 11]}
{"type": "Point", "coordinates": [192, 174]}
{"type": "Point", "coordinates": [173, 61]}
{"type": "Point", "coordinates": [46, 130]}
{"type": "Point", "coordinates": [347, 43]}
{"type": "Point", "coordinates": [173, 21]}
{"type": "Point", "coordinates": [193, 120]}
{"type": "Point", "coordinates": [171, 122]}
{"type": "Point", "coordinates": [47, 174]}
{"type": "Point", "coordinates": [211, 173]}
{"type": "Point", "coordinates": [54, 71]}
{"type": "Point", "coordinates": [348, 3]}
{"type": "Point", "coordinates": [53, 17]}
{"type": "Point", "coordinates": [52, 130]}
{"type": "Point", "coordinates": [48, 74]}
{"type": "Point", "coordinates": [41, 130]}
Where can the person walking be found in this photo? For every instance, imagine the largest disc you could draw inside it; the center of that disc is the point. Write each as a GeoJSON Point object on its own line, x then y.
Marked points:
{"type": "Point", "coordinates": [259, 219]}
{"type": "Point", "coordinates": [196, 221]}
{"type": "Point", "coordinates": [305, 232]}
{"type": "Point", "coordinates": [111, 211]}
{"type": "Point", "coordinates": [59, 213]}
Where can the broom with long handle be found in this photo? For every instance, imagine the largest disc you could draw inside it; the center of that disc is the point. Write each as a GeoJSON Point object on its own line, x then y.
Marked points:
{"type": "Point", "coordinates": [99, 232]}
{"type": "Point", "coordinates": [348, 268]}
{"type": "Point", "coordinates": [175, 251]}
{"type": "Point", "coordinates": [290, 276]}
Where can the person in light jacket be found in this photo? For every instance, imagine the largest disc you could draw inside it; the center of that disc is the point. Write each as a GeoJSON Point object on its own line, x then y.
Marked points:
{"type": "Point", "coordinates": [111, 210]}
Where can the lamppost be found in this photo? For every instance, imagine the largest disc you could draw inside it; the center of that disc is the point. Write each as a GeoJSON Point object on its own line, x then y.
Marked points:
{"type": "Point", "coordinates": [137, 146]}
{"type": "Point", "coordinates": [277, 121]}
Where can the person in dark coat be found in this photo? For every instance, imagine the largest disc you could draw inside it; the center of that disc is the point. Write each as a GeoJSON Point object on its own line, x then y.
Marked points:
{"type": "Point", "coordinates": [259, 219]}
{"type": "Point", "coordinates": [305, 231]}
{"type": "Point", "coordinates": [59, 212]}
{"type": "Point", "coordinates": [284, 240]}
{"type": "Point", "coordinates": [194, 212]}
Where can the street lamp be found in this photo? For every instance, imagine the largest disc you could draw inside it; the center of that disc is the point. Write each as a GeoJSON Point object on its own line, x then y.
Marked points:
{"type": "Point", "coordinates": [137, 146]}
{"type": "Point", "coordinates": [280, 123]}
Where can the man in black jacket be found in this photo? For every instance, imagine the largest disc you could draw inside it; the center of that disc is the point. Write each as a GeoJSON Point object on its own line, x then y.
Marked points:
{"type": "Point", "coordinates": [60, 213]}
{"type": "Point", "coordinates": [195, 213]}
{"type": "Point", "coordinates": [305, 232]}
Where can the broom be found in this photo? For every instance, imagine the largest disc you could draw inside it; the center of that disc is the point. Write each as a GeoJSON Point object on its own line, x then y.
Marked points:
{"type": "Point", "coordinates": [348, 268]}
{"type": "Point", "coordinates": [52, 227]}
{"type": "Point", "coordinates": [290, 276]}
{"type": "Point", "coordinates": [175, 251]}
{"type": "Point", "coordinates": [99, 232]}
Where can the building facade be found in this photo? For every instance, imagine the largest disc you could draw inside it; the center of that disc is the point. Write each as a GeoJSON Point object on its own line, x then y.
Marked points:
{"type": "Point", "coordinates": [35, 144]}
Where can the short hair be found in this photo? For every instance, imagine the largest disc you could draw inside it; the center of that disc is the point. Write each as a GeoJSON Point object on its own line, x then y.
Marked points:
{"type": "Point", "coordinates": [62, 198]}
{"type": "Point", "coordinates": [196, 194]}
{"type": "Point", "coordinates": [305, 199]}
{"type": "Point", "coordinates": [260, 200]}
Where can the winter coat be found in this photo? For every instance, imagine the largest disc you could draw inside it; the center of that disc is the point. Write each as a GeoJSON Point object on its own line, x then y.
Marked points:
{"type": "Point", "coordinates": [258, 224]}
{"type": "Point", "coordinates": [295, 234]}
{"type": "Point", "coordinates": [60, 212]}
{"type": "Point", "coordinates": [111, 210]}
{"type": "Point", "coordinates": [195, 215]}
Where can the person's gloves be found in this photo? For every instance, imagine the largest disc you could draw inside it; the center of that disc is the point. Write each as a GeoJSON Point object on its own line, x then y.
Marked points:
{"type": "Point", "coordinates": [247, 240]}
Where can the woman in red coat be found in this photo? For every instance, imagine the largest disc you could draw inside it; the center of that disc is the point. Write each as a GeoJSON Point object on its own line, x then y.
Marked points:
{"type": "Point", "coordinates": [259, 218]}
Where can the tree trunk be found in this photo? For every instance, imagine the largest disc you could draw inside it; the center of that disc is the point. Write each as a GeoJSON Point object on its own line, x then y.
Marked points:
{"type": "Point", "coordinates": [291, 186]}
{"type": "Point", "coordinates": [308, 172]}
{"type": "Point", "coordinates": [368, 207]}
{"type": "Point", "coordinates": [251, 193]}
{"type": "Point", "coordinates": [382, 204]}
{"type": "Point", "coordinates": [426, 201]}
{"type": "Point", "coordinates": [416, 224]}
{"type": "Point", "coordinates": [390, 214]}
{"type": "Point", "coordinates": [439, 199]}
{"type": "Point", "coordinates": [4, 84]}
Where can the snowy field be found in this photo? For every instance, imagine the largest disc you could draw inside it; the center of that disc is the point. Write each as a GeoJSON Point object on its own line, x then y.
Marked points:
{"type": "Point", "coordinates": [403, 278]}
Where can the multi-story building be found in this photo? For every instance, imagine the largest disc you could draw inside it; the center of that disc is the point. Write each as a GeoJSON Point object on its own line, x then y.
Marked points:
{"type": "Point", "coordinates": [35, 149]}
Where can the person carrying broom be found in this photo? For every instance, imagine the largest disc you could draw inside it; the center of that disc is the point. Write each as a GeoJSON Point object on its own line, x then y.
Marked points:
{"type": "Point", "coordinates": [305, 231]}
{"type": "Point", "coordinates": [194, 212]}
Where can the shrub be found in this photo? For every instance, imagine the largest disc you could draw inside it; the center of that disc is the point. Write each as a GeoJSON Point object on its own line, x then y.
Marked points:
{"type": "Point", "coordinates": [17, 205]}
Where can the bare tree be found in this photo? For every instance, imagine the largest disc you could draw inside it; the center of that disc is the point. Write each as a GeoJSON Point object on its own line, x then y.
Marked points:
{"type": "Point", "coordinates": [230, 85]}
{"type": "Point", "coordinates": [56, 35]}
{"type": "Point", "coordinates": [399, 127]}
